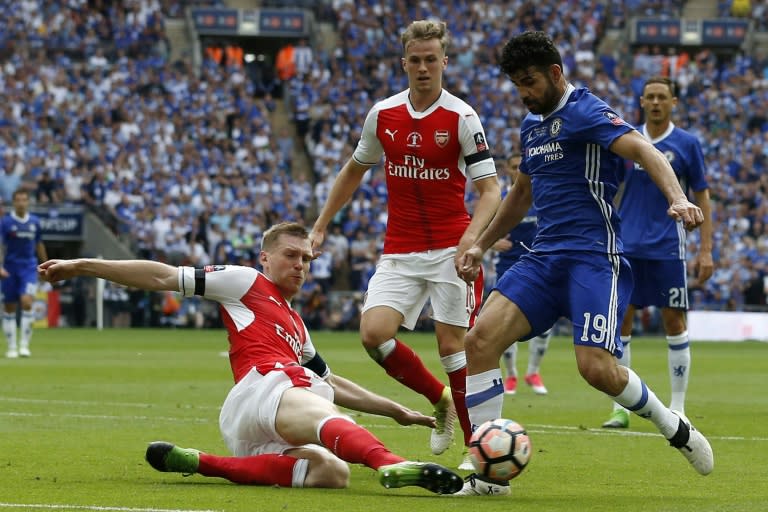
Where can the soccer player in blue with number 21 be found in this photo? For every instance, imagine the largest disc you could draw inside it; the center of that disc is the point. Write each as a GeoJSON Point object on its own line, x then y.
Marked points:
{"type": "Point", "coordinates": [573, 149]}
{"type": "Point", "coordinates": [23, 248]}
{"type": "Point", "coordinates": [655, 244]}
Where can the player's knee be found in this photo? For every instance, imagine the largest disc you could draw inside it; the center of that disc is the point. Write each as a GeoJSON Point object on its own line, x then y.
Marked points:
{"type": "Point", "coordinates": [372, 339]}
{"type": "Point", "coordinates": [476, 346]}
{"type": "Point", "coordinates": [371, 343]}
{"type": "Point", "coordinates": [379, 325]}
{"type": "Point", "coordinates": [470, 342]}
{"type": "Point", "coordinates": [328, 472]}
{"type": "Point", "coordinates": [674, 326]}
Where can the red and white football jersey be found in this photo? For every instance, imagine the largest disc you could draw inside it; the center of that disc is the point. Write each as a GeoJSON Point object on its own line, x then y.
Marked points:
{"type": "Point", "coordinates": [264, 331]}
{"type": "Point", "coordinates": [428, 157]}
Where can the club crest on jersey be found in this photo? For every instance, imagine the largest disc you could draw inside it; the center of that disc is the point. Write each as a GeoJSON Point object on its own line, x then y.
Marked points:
{"type": "Point", "coordinates": [442, 137]}
{"type": "Point", "coordinates": [614, 119]}
{"type": "Point", "coordinates": [670, 156]}
{"type": "Point", "coordinates": [414, 140]}
{"type": "Point", "coordinates": [480, 142]}
{"type": "Point", "coordinates": [554, 128]}
{"type": "Point", "coordinates": [213, 268]}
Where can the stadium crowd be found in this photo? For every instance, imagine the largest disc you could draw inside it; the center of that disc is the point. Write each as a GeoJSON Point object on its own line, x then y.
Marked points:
{"type": "Point", "coordinates": [188, 167]}
{"type": "Point", "coordinates": [724, 101]}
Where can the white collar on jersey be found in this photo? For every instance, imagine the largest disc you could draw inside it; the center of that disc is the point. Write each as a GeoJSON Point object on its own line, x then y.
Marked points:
{"type": "Point", "coordinates": [563, 100]}
{"type": "Point", "coordinates": [415, 112]}
{"type": "Point", "coordinates": [20, 219]}
{"type": "Point", "coordinates": [660, 137]}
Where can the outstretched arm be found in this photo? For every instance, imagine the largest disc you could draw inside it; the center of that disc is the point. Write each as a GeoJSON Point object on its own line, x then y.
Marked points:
{"type": "Point", "coordinates": [347, 181]}
{"type": "Point", "coordinates": [634, 146]}
{"type": "Point", "coordinates": [143, 274]}
{"type": "Point", "coordinates": [352, 396]}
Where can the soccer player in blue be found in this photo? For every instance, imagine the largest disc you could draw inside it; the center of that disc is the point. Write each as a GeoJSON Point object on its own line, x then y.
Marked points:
{"type": "Point", "coordinates": [655, 244]}
{"type": "Point", "coordinates": [23, 248]}
{"type": "Point", "coordinates": [509, 250]}
{"type": "Point", "coordinates": [573, 147]}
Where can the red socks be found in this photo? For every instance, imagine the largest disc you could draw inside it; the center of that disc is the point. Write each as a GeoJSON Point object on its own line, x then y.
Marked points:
{"type": "Point", "coordinates": [345, 439]}
{"type": "Point", "coordinates": [405, 366]}
{"type": "Point", "coordinates": [267, 469]}
{"type": "Point", "coordinates": [352, 443]}
{"type": "Point", "coordinates": [458, 382]}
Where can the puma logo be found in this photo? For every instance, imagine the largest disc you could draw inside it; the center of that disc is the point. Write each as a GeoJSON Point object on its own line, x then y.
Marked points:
{"type": "Point", "coordinates": [391, 134]}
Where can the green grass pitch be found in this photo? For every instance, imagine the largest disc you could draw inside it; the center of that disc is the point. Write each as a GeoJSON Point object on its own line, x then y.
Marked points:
{"type": "Point", "coordinates": [76, 417]}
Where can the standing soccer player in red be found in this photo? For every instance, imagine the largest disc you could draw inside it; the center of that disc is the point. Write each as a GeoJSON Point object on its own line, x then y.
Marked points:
{"type": "Point", "coordinates": [432, 143]}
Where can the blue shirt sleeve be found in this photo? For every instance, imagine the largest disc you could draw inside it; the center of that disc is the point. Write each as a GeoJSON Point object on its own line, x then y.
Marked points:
{"type": "Point", "coordinates": [599, 123]}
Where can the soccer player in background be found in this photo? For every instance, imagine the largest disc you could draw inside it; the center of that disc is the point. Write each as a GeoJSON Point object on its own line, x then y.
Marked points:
{"type": "Point", "coordinates": [432, 143]}
{"type": "Point", "coordinates": [573, 147]}
{"type": "Point", "coordinates": [22, 250]}
{"type": "Point", "coordinates": [280, 420]}
{"type": "Point", "coordinates": [655, 244]}
{"type": "Point", "coordinates": [509, 249]}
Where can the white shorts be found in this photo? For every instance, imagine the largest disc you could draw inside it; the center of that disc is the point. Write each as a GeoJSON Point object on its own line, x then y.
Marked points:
{"type": "Point", "coordinates": [247, 419]}
{"type": "Point", "coordinates": [404, 282]}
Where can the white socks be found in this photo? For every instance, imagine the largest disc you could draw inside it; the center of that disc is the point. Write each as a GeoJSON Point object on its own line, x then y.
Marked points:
{"type": "Point", "coordinates": [536, 349]}
{"type": "Point", "coordinates": [485, 396]}
{"type": "Point", "coordinates": [27, 319]}
{"type": "Point", "coordinates": [510, 360]}
{"type": "Point", "coordinates": [454, 362]}
{"type": "Point", "coordinates": [679, 360]}
{"type": "Point", "coordinates": [9, 328]}
{"type": "Point", "coordinates": [624, 360]}
{"type": "Point", "coordinates": [638, 398]}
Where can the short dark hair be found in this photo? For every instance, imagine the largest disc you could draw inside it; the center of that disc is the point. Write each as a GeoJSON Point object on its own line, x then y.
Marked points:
{"type": "Point", "coordinates": [529, 49]}
{"type": "Point", "coordinates": [19, 192]}
{"type": "Point", "coordinates": [284, 228]}
{"type": "Point", "coordinates": [664, 81]}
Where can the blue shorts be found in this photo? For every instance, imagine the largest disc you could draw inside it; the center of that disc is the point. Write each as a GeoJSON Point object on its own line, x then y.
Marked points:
{"type": "Point", "coordinates": [661, 283]}
{"type": "Point", "coordinates": [21, 281]}
{"type": "Point", "coordinates": [592, 290]}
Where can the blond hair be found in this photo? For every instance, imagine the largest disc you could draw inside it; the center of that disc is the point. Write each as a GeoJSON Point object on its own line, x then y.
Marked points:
{"type": "Point", "coordinates": [424, 30]}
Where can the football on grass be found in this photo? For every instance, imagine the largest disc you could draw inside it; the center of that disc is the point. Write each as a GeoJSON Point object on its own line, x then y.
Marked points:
{"type": "Point", "coordinates": [500, 449]}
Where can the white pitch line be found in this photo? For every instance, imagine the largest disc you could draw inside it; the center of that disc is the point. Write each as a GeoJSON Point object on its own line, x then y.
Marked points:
{"type": "Point", "coordinates": [104, 417]}
{"type": "Point", "coordinates": [533, 428]}
{"type": "Point", "coordinates": [567, 430]}
{"type": "Point", "coordinates": [99, 404]}
{"type": "Point", "coordinates": [564, 429]}
{"type": "Point", "coordinates": [96, 507]}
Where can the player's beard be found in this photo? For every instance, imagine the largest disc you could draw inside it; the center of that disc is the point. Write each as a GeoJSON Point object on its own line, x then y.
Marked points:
{"type": "Point", "coordinates": [548, 102]}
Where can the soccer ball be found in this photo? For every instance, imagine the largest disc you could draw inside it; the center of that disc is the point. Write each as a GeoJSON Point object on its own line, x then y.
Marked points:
{"type": "Point", "coordinates": [500, 449]}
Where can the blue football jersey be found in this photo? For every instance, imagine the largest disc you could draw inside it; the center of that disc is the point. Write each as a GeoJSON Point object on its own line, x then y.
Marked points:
{"type": "Point", "coordinates": [573, 174]}
{"type": "Point", "coordinates": [20, 238]}
{"type": "Point", "coordinates": [648, 231]}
